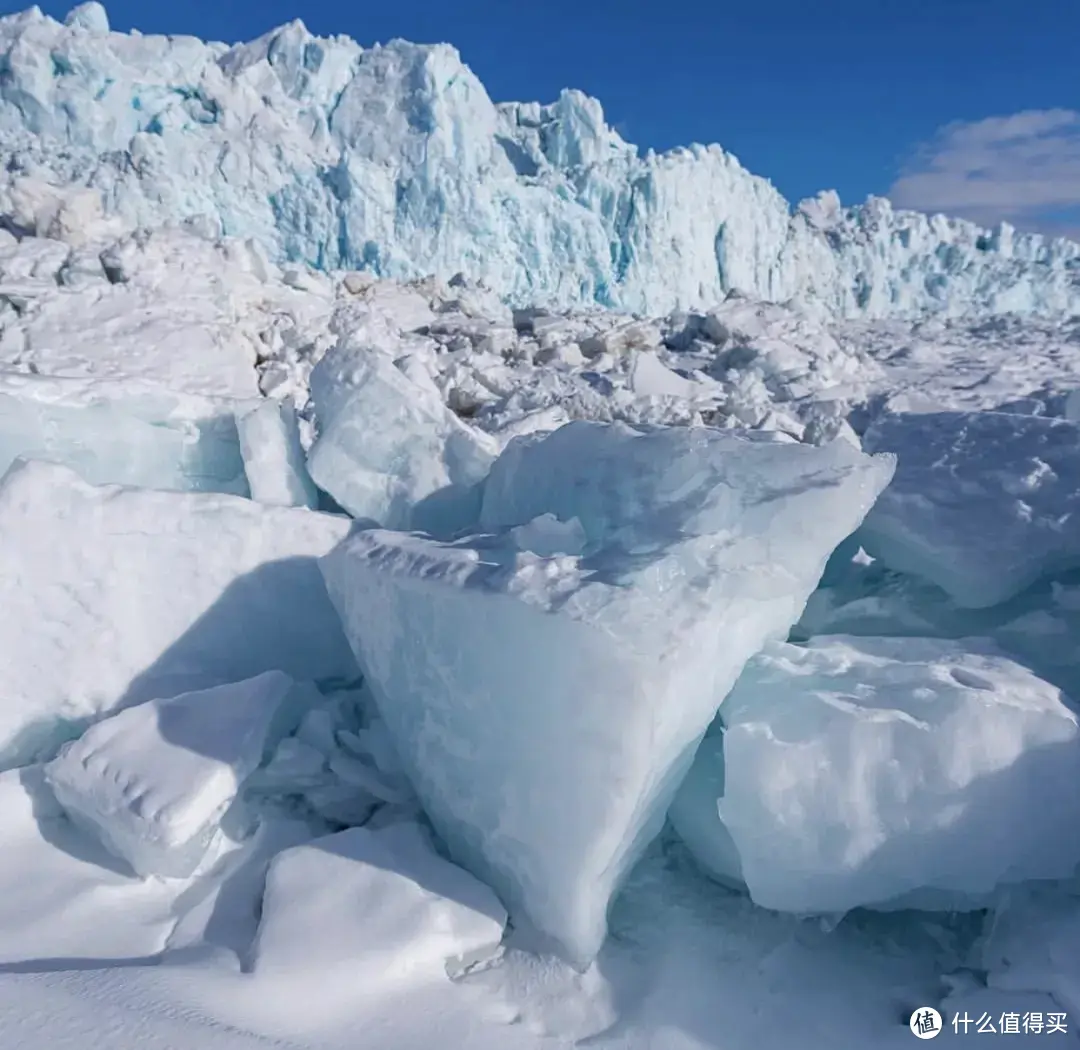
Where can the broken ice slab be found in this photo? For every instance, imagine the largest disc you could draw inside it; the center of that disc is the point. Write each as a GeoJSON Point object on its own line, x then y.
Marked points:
{"type": "Point", "coordinates": [546, 706]}
{"type": "Point", "coordinates": [154, 782]}
{"type": "Point", "coordinates": [373, 908]}
{"type": "Point", "coordinates": [274, 461]}
{"type": "Point", "coordinates": [389, 450]}
{"type": "Point", "coordinates": [884, 773]}
{"type": "Point", "coordinates": [112, 596]}
{"type": "Point", "coordinates": [983, 504]}
{"type": "Point", "coordinates": [123, 432]}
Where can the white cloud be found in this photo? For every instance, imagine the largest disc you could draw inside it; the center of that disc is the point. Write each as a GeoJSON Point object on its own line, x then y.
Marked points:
{"type": "Point", "coordinates": [1024, 168]}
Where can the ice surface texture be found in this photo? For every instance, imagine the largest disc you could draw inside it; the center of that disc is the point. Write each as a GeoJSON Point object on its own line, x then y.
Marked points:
{"type": "Point", "coordinates": [885, 772]}
{"type": "Point", "coordinates": [547, 705]}
{"type": "Point", "coordinates": [113, 596]}
{"type": "Point", "coordinates": [154, 782]}
{"type": "Point", "coordinates": [394, 159]}
{"type": "Point", "coordinates": [983, 504]}
{"type": "Point", "coordinates": [375, 908]}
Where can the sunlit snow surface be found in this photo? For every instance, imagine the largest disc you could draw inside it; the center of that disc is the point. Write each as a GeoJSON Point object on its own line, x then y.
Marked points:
{"type": "Point", "coordinates": [161, 526]}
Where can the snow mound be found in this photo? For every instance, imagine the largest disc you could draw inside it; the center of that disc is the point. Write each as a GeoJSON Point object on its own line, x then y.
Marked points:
{"type": "Point", "coordinates": [113, 596]}
{"type": "Point", "coordinates": [547, 702]}
{"type": "Point", "coordinates": [378, 909]}
{"type": "Point", "coordinates": [885, 772]}
{"type": "Point", "coordinates": [155, 781]}
{"type": "Point", "coordinates": [983, 504]}
{"type": "Point", "coordinates": [393, 159]}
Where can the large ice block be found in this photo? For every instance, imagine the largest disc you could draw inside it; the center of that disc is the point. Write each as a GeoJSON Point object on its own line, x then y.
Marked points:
{"type": "Point", "coordinates": [885, 772]}
{"type": "Point", "coordinates": [547, 706]}
{"type": "Point", "coordinates": [373, 908]}
{"type": "Point", "coordinates": [389, 450]}
{"type": "Point", "coordinates": [126, 432]}
{"type": "Point", "coordinates": [983, 503]}
{"type": "Point", "coordinates": [154, 782]}
{"type": "Point", "coordinates": [112, 596]}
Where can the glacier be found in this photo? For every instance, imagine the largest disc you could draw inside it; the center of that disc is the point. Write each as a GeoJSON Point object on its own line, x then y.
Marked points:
{"type": "Point", "coordinates": [393, 159]}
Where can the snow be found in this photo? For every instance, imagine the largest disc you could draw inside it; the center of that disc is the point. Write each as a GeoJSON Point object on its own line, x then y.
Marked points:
{"type": "Point", "coordinates": [155, 782]}
{"type": "Point", "coordinates": [977, 490]}
{"type": "Point", "coordinates": [887, 773]}
{"type": "Point", "coordinates": [416, 915]}
{"type": "Point", "coordinates": [114, 596]}
{"type": "Point", "coordinates": [494, 667]}
{"type": "Point", "coordinates": [394, 159]}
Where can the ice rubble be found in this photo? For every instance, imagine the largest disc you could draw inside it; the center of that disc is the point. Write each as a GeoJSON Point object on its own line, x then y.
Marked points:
{"type": "Point", "coordinates": [415, 914]}
{"type": "Point", "coordinates": [155, 781]}
{"type": "Point", "coordinates": [115, 596]}
{"type": "Point", "coordinates": [394, 159]}
{"type": "Point", "coordinates": [887, 773]}
{"type": "Point", "coordinates": [982, 504]}
{"type": "Point", "coordinates": [546, 704]}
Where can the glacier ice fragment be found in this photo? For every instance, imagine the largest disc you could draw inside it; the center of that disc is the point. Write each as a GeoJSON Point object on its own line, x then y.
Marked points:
{"type": "Point", "coordinates": [546, 705]}
{"type": "Point", "coordinates": [983, 504]}
{"type": "Point", "coordinates": [273, 456]}
{"type": "Point", "coordinates": [128, 433]}
{"type": "Point", "coordinates": [389, 450]}
{"type": "Point", "coordinates": [885, 772]}
{"type": "Point", "coordinates": [154, 782]}
{"type": "Point", "coordinates": [112, 596]}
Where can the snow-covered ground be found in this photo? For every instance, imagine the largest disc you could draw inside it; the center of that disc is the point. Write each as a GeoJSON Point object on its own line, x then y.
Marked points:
{"type": "Point", "coordinates": [385, 666]}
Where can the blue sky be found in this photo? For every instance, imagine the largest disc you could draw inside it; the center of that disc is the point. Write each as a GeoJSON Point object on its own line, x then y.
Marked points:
{"type": "Point", "coordinates": [864, 96]}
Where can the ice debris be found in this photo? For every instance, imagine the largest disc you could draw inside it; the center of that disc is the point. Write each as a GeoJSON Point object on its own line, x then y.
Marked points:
{"type": "Point", "coordinates": [113, 596]}
{"type": "Point", "coordinates": [983, 504]}
{"type": "Point", "coordinates": [546, 705]}
{"type": "Point", "coordinates": [886, 773]}
{"type": "Point", "coordinates": [155, 782]}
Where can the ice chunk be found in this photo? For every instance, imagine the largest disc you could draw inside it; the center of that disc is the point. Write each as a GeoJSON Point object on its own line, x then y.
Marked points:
{"type": "Point", "coordinates": [375, 908]}
{"type": "Point", "coordinates": [155, 781]}
{"type": "Point", "coordinates": [547, 707]}
{"type": "Point", "coordinates": [273, 456]}
{"type": "Point", "coordinates": [983, 504]}
{"type": "Point", "coordinates": [389, 450]}
{"type": "Point", "coordinates": [885, 772]}
{"type": "Point", "coordinates": [128, 433]}
{"type": "Point", "coordinates": [113, 596]}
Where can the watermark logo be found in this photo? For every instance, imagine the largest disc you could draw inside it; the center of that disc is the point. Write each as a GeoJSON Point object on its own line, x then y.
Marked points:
{"type": "Point", "coordinates": [925, 1023]}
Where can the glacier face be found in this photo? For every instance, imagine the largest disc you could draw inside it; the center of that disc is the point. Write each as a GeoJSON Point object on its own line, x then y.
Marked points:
{"type": "Point", "coordinates": [393, 159]}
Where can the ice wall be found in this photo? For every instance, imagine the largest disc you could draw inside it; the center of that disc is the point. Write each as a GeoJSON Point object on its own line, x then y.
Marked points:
{"type": "Point", "coordinates": [393, 159]}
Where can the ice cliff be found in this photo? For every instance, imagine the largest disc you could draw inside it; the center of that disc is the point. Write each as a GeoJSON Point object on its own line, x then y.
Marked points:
{"type": "Point", "coordinates": [394, 160]}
